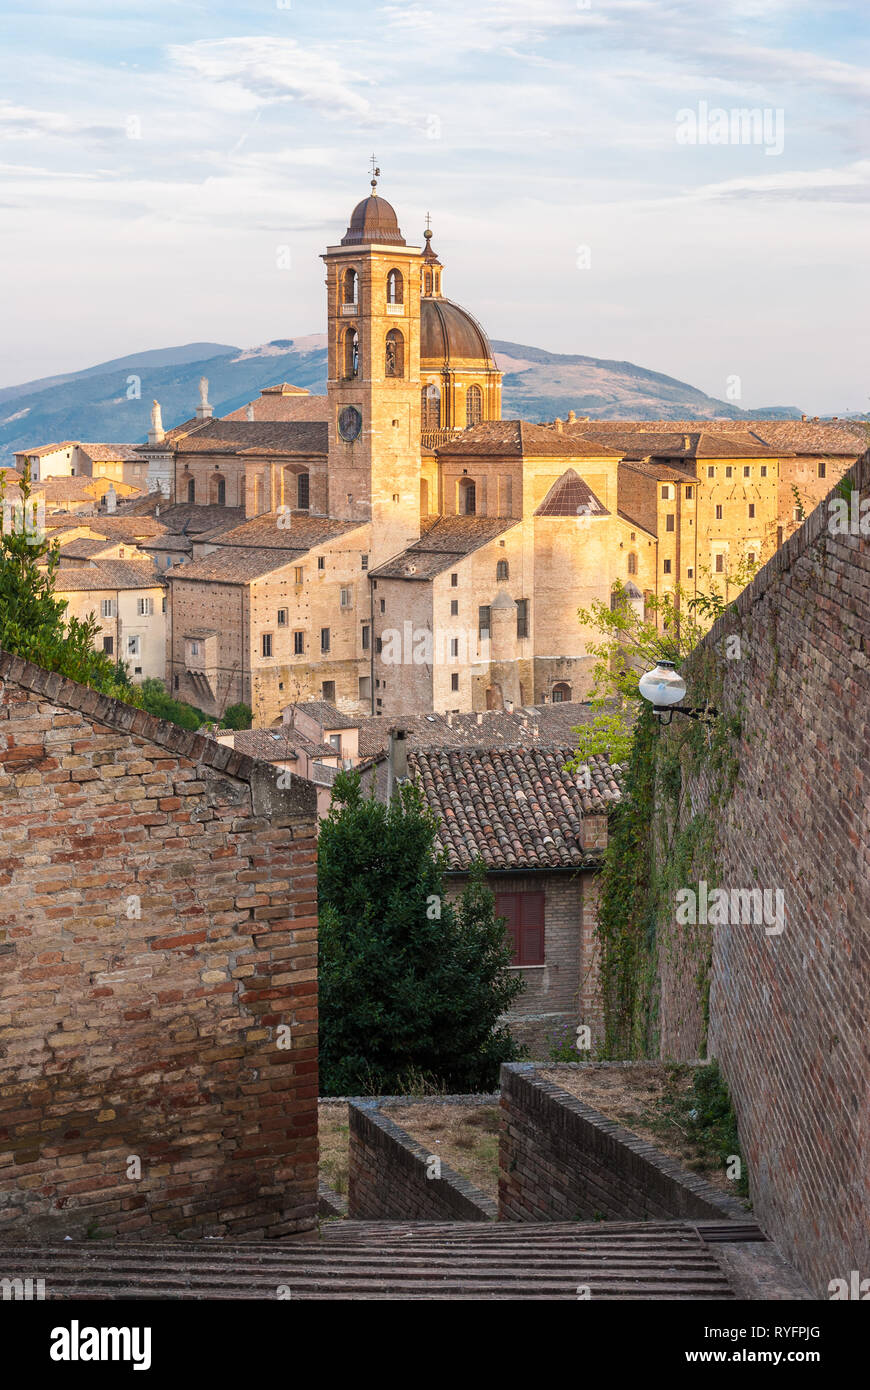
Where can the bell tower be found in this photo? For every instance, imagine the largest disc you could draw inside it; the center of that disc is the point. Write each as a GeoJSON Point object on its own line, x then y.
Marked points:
{"type": "Point", "coordinates": [373, 293]}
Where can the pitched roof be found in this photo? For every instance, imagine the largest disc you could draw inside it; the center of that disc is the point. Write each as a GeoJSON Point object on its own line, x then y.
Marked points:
{"type": "Point", "coordinates": [47, 448]}
{"type": "Point", "coordinates": [232, 565]}
{"type": "Point", "coordinates": [292, 531]}
{"type": "Point", "coordinates": [114, 452]}
{"type": "Point", "coordinates": [524, 727]}
{"type": "Point", "coordinates": [792, 436]}
{"type": "Point", "coordinates": [107, 574]}
{"type": "Point", "coordinates": [278, 745]}
{"type": "Point", "coordinates": [570, 496]}
{"type": "Point", "coordinates": [83, 548]}
{"type": "Point", "coordinates": [327, 716]}
{"type": "Point", "coordinates": [271, 404]}
{"type": "Point", "coordinates": [256, 437]}
{"type": "Point", "coordinates": [117, 526]}
{"type": "Point", "coordinates": [661, 472]}
{"type": "Point", "coordinates": [513, 808]}
{"type": "Point", "coordinates": [67, 489]}
{"type": "Point", "coordinates": [445, 542]}
{"type": "Point", "coordinates": [521, 439]}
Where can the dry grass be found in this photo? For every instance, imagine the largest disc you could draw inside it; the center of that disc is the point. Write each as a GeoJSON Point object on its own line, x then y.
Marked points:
{"type": "Point", "coordinates": [333, 1131]}
{"type": "Point", "coordinates": [463, 1136]}
{"type": "Point", "coordinates": [641, 1099]}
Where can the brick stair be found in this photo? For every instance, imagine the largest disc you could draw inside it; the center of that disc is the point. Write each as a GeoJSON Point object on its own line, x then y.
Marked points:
{"type": "Point", "coordinates": [386, 1260]}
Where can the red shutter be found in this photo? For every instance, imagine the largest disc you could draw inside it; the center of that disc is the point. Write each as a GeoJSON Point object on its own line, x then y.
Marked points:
{"type": "Point", "coordinates": [507, 905]}
{"type": "Point", "coordinates": [531, 928]}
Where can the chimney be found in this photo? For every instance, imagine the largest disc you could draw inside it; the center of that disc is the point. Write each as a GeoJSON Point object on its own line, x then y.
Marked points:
{"type": "Point", "coordinates": [558, 423]}
{"type": "Point", "coordinates": [249, 413]}
{"type": "Point", "coordinates": [156, 434]}
{"type": "Point", "coordinates": [687, 442]}
{"type": "Point", "coordinates": [204, 411]}
{"type": "Point", "coordinates": [480, 718]}
{"type": "Point", "coordinates": [397, 760]}
{"type": "Point", "coordinates": [449, 720]}
{"type": "Point", "coordinates": [803, 417]}
{"type": "Point", "coordinates": [571, 417]}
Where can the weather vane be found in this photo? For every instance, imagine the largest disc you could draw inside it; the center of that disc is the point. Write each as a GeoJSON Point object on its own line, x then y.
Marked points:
{"type": "Point", "coordinates": [376, 173]}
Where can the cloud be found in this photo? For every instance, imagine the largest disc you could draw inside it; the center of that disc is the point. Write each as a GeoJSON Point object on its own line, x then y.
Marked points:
{"type": "Point", "coordinates": [28, 123]}
{"type": "Point", "coordinates": [269, 70]}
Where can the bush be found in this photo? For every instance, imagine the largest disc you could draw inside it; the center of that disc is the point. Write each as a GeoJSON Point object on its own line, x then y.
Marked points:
{"type": "Point", "coordinates": [237, 717]}
{"type": "Point", "coordinates": [158, 702]}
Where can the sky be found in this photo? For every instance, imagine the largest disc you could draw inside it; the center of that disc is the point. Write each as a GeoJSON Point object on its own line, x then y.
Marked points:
{"type": "Point", "coordinates": [590, 188]}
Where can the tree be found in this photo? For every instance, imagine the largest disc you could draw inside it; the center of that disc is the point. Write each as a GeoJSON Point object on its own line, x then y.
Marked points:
{"type": "Point", "coordinates": [32, 622]}
{"type": "Point", "coordinates": [157, 701]}
{"type": "Point", "coordinates": [410, 983]}
{"type": "Point", "coordinates": [237, 717]}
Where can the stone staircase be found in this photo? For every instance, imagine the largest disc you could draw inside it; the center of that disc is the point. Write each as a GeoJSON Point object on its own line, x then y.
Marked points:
{"type": "Point", "coordinates": [396, 1260]}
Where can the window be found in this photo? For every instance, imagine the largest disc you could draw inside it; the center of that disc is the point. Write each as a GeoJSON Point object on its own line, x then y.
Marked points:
{"type": "Point", "coordinates": [194, 649]}
{"type": "Point", "coordinates": [667, 567]}
{"type": "Point", "coordinates": [669, 521]}
{"type": "Point", "coordinates": [690, 573]}
{"type": "Point", "coordinates": [473, 406]}
{"type": "Point", "coordinates": [266, 647]}
{"type": "Point", "coordinates": [751, 510]}
{"type": "Point", "coordinates": [524, 925]}
{"type": "Point", "coordinates": [483, 620]}
{"type": "Point", "coordinates": [383, 605]}
{"type": "Point", "coordinates": [729, 472]}
{"type": "Point", "coordinates": [522, 617]}
{"type": "Point", "coordinates": [221, 492]}
{"type": "Point", "coordinates": [108, 608]}
{"type": "Point", "coordinates": [345, 598]}
{"type": "Point", "coordinates": [366, 637]}
{"type": "Point", "coordinates": [350, 287]}
{"type": "Point", "coordinates": [632, 562]}
{"type": "Point", "coordinates": [430, 407]}
{"type": "Point", "coordinates": [175, 682]}
{"type": "Point", "coordinates": [134, 645]}
{"type": "Point", "coordinates": [467, 497]}
{"type": "Point", "coordinates": [163, 601]}
{"type": "Point", "coordinates": [763, 470]}
{"type": "Point", "coordinates": [379, 647]}
{"type": "Point", "coordinates": [144, 607]}
{"type": "Point", "coordinates": [719, 511]}
{"type": "Point", "coordinates": [394, 354]}
{"type": "Point", "coordinates": [364, 562]}
{"type": "Point", "coordinates": [711, 471]}
{"type": "Point", "coordinates": [298, 643]}
{"type": "Point", "coordinates": [191, 490]}
{"type": "Point", "coordinates": [502, 570]}
{"type": "Point", "coordinates": [427, 282]}
{"type": "Point", "coordinates": [561, 692]}
{"type": "Point", "coordinates": [666, 492]}
{"type": "Point", "coordinates": [750, 555]}
{"type": "Point", "coordinates": [747, 471]}
{"type": "Point", "coordinates": [328, 691]}
{"type": "Point", "coordinates": [335, 742]}
{"type": "Point", "coordinates": [454, 608]}
{"type": "Point", "coordinates": [324, 641]}
{"type": "Point", "coordinates": [454, 646]}
{"type": "Point", "coordinates": [302, 493]}
{"type": "Point", "coordinates": [395, 287]}
{"type": "Point", "coordinates": [690, 492]}
{"type": "Point", "coordinates": [720, 564]}
{"type": "Point", "coordinates": [282, 617]}
{"type": "Point", "coordinates": [454, 581]}
{"type": "Point", "coordinates": [297, 574]}
{"type": "Point", "coordinates": [454, 681]}
{"type": "Point", "coordinates": [351, 352]}
{"type": "Point", "coordinates": [109, 645]}
{"type": "Point", "coordinates": [321, 562]}
{"type": "Point", "coordinates": [822, 470]}
{"type": "Point", "coordinates": [365, 687]}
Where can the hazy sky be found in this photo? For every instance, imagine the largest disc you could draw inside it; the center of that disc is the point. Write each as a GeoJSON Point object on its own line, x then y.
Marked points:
{"type": "Point", "coordinates": [156, 157]}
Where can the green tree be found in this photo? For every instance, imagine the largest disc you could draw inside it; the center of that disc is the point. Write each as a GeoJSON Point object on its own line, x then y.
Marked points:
{"type": "Point", "coordinates": [32, 621]}
{"type": "Point", "coordinates": [157, 701]}
{"type": "Point", "coordinates": [237, 717]}
{"type": "Point", "coordinates": [409, 982]}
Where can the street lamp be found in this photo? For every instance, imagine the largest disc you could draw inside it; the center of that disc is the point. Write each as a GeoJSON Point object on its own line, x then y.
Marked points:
{"type": "Point", "coordinates": [664, 687]}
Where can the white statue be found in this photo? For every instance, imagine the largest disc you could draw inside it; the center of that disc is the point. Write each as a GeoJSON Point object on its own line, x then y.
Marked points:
{"type": "Point", "coordinates": [203, 390]}
{"type": "Point", "coordinates": [156, 421]}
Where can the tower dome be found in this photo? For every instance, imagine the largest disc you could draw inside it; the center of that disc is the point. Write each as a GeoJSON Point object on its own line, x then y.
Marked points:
{"type": "Point", "coordinates": [373, 220]}
{"type": "Point", "coordinates": [450, 336]}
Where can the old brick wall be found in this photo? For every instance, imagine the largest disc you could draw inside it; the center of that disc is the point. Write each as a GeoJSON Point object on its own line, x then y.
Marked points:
{"type": "Point", "coordinates": [788, 1010]}
{"type": "Point", "coordinates": [560, 1160]}
{"type": "Point", "coordinates": [157, 926]}
{"type": "Point", "coordinates": [387, 1175]}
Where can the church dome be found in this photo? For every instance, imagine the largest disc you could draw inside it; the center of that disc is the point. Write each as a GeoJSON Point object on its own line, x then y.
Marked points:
{"type": "Point", "coordinates": [373, 220]}
{"type": "Point", "coordinates": [449, 334]}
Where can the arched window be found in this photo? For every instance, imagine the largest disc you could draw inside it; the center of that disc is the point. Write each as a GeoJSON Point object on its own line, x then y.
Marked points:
{"type": "Point", "coordinates": [302, 492]}
{"type": "Point", "coordinates": [394, 355]}
{"type": "Point", "coordinates": [217, 491]}
{"type": "Point", "coordinates": [427, 282]}
{"type": "Point", "coordinates": [502, 570]}
{"type": "Point", "coordinates": [467, 497]}
{"type": "Point", "coordinates": [561, 692]}
{"type": "Point", "coordinates": [431, 408]}
{"type": "Point", "coordinates": [221, 493]}
{"type": "Point", "coordinates": [395, 287]}
{"type": "Point", "coordinates": [632, 562]}
{"type": "Point", "coordinates": [473, 405]}
{"type": "Point", "coordinates": [350, 287]}
{"type": "Point", "coordinates": [437, 282]}
{"type": "Point", "coordinates": [351, 352]}
{"type": "Point", "coordinates": [191, 490]}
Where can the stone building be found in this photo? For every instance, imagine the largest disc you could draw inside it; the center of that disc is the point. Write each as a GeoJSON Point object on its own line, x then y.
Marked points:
{"type": "Point", "coordinates": [128, 599]}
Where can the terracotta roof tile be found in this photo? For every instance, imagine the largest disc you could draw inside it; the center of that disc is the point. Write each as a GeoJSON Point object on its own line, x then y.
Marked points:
{"type": "Point", "coordinates": [251, 436]}
{"type": "Point", "coordinates": [298, 531]}
{"type": "Point", "coordinates": [445, 542]}
{"type": "Point", "coordinates": [107, 574]}
{"type": "Point", "coordinates": [270, 405]}
{"type": "Point", "coordinates": [570, 496]}
{"type": "Point", "coordinates": [519, 438]}
{"type": "Point", "coordinates": [525, 727]}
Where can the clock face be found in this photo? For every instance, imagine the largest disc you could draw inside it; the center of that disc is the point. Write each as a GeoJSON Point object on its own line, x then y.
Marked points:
{"type": "Point", "coordinates": [349, 422]}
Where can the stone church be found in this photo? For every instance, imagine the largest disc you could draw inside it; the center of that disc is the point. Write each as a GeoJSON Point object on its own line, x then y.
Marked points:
{"type": "Point", "coordinates": [395, 546]}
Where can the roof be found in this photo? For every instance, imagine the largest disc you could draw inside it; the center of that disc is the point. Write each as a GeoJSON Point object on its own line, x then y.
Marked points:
{"type": "Point", "coordinates": [526, 726]}
{"type": "Point", "coordinates": [447, 541]}
{"type": "Point", "coordinates": [67, 489]}
{"type": "Point", "coordinates": [661, 472]}
{"type": "Point", "coordinates": [232, 565]}
{"type": "Point", "coordinates": [101, 452]}
{"type": "Point", "coordinates": [116, 526]}
{"type": "Point", "coordinates": [278, 745]}
{"type": "Point", "coordinates": [519, 438]}
{"type": "Point", "coordinates": [447, 332]}
{"type": "Point", "coordinates": [47, 448]}
{"type": "Point", "coordinates": [640, 444]}
{"type": "Point", "coordinates": [272, 404]}
{"type": "Point", "coordinates": [513, 808]}
{"type": "Point", "coordinates": [107, 574]}
{"type": "Point", "coordinates": [234, 436]}
{"type": "Point", "coordinates": [791, 436]}
{"type": "Point", "coordinates": [373, 220]}
{"type": "Point", "coordinates": [291, 531]}
{"type": "Point", "coordinates": [570, 496]}
{"type": "Point", "coordinates": [327, 716]}
{"type": "Point", "coordinates": [83, 548]}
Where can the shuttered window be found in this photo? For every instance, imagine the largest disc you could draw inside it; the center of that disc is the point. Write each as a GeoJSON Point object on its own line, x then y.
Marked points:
{"type": "Point", "coordinates": [524, 916]}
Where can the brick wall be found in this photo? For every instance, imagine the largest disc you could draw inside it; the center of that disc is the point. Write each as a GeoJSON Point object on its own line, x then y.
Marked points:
{"type": "Point", "coordinates": [560, 1160]}
{"type": "Point", "coordinates": [387, 1175]}
{"type": "Point", "coordinates": [157, 925]}
{"type": "Point", "coordinates": [788, 1011]}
